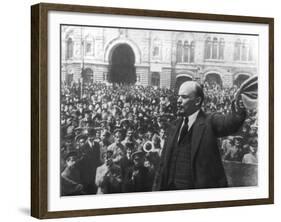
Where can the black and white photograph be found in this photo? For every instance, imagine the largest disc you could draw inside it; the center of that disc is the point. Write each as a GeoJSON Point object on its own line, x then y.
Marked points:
{"type": "Point", "coordinates": [147, 110]}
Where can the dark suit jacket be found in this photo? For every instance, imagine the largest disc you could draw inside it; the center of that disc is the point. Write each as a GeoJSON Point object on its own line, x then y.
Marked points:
{"type": "Point", "coordinates": [88, 163]}
{"type": "Point", "coordinates": [142, 182]}
{"type": "Point", "coordinates": [206, 164]}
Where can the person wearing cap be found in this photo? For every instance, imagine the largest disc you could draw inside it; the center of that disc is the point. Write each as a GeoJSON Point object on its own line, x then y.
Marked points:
{"type": "Point", "coordinates": [231, 149]}
{"type": "Point", "coordinates": [80, 140]}
{"type": "Point", "coordinates": [191, 157]}
{"type": "Point", "coordinates": [129, 138]}
{"type": "Point", "coordinates": [117, 147]}
{"type": "Point", "coordinates": [137, 177]}
{"type": "Point", "coordinates": [86, 121]}
{"type": "Point", "coordinates": [104, 142]}
{"type": "Point", "coordinates": [108, 177]}
{"type": "Point", "coordinates": [89, 161]}
{"type": "Point", "coordinates": [70, 176]}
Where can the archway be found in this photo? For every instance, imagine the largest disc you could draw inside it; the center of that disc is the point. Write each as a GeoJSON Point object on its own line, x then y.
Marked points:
{"type": "Point", "coordinates": [180, 79]}
{"type": "Point", "coordinates": [213, 80]}
{"type": "Point", "coordinates": [122, 68]}
{"type": "Point", "coordinates": [240, 78]}
{"type": "Point", "coordinates": [87, 75]}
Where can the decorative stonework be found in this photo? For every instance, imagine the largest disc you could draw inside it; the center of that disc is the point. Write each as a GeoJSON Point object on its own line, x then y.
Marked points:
{"type": "Point", "coordinates": [155, 51]}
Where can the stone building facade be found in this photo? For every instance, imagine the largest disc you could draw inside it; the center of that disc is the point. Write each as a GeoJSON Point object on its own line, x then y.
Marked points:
{"type": "Point", "coordinates": [160, 58]}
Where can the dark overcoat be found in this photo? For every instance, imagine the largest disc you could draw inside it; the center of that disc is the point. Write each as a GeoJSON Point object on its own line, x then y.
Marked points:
{"type": "Point", "coordinates": [206, 164]}
{"type": "Point", "coordinates": [87, 166]}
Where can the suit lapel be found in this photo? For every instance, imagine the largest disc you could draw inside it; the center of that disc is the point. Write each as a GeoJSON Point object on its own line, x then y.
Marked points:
{"type": "Point", "coordinates": [163, 179]}
{"type": "Point", "coordinates": [172, 138]}
{"type": "Point", "coordinates": [197, 133]}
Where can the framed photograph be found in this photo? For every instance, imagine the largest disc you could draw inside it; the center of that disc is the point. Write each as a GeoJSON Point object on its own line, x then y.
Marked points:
{"type": "Point", "coordinates": [140, 110]}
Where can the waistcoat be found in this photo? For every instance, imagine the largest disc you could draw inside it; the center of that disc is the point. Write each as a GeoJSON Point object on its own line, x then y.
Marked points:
{"type": "Point", "coordinates": [180, 170]}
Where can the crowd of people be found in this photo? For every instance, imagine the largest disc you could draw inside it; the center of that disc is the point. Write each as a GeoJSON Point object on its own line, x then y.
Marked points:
{"type": "Point", "coordinates": [243, 146]}
{"type": "Point", "coordinates": [112, 135]}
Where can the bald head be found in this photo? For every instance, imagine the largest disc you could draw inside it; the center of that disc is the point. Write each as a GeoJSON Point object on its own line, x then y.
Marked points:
{"type": "Point", "coordinates": [192, 87]}
{"type": "Point", "coordinates": [190, 98]}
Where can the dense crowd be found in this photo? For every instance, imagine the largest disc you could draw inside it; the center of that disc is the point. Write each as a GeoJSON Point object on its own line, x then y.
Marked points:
{"type": "Point", "coordinates": [112, 135]}
{"type": "Point", "coordinates": [241, 147]}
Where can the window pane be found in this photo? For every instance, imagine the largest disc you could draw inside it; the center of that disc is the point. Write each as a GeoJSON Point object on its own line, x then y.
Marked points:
{"type": "Point", "coordinates": [185, 52]}
{"type": "Point", "coordinates": [208, 49]}
{"type": "Point", "coordinates": [69, 48]}
{"type": "Point", "coordinates": [179, 51]}
{"type": "Point", "coordinates": [192, 51]}
{"type": "Point", "coordinates": [244, 52]}
{"type": "Point", "coordinates": [221, 49]}
{"type": "Point", "coordinates": [215, 49]}
{"type": "Point", "coordinates": [237, 50]}
{"type": "Point", "coordinates": [88, 47]}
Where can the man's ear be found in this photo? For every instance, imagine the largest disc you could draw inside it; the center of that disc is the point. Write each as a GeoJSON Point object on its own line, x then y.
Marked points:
{"type": "Point", "coordinates": [198, 101]}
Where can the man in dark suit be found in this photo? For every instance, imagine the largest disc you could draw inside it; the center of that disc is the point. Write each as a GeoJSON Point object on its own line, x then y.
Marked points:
{"type": "Point", "coordinates": [89, 161]}
{"type": "Point", "coordinates": [191, 157]}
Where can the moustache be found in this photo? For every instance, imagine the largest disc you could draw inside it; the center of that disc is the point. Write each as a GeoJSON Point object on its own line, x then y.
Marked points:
{"type": "Point", "coordinates": [179, 108]}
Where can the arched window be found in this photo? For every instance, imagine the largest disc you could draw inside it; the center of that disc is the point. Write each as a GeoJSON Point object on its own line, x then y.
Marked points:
{"type": "Point", "coordinates": [156, 47]}
{"type": "Point", "coordinates": [215, 48]}
{"type": "Point", "coordinates": [192, 51]}
{"type": "Point", "coordinates": [221, 49]}
{"type": "Point", "coordinates": [237, 50]}
{"type": "Point", "coordinates": [213, 79]}
{"type": "Point", "coordinates": [244, 51]}
{"type": "Point", "coordinates": [208, 48]}
{"type": "Point", "coordinates": [155, 51]}
{"type": "Point", "coordinates": [89, 45]}
{"type": "Point", "coordinates": [69, 48]}
{"type": "Point", "coordinates": [185, 51]}
{"type": "Point", "coordinates": [179, 51]}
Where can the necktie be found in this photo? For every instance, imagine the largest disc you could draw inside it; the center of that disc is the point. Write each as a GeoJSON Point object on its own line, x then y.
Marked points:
{"type": "Point", "coordinates": [184, 130]}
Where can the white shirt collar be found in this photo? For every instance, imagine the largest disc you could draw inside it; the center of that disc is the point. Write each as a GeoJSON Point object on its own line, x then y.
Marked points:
{"type": "Point", "coordinates": [91, 145]}
{"type": "Point", "coordinates": [192, 118]}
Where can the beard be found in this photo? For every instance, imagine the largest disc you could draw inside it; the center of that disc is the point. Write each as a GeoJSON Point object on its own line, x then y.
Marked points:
{"type": "Point", "coordinates": [180, 110]}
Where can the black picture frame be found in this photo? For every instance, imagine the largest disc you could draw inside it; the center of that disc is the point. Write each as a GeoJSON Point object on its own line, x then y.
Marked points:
{"type": "Point", "coordinates": [39, 108]}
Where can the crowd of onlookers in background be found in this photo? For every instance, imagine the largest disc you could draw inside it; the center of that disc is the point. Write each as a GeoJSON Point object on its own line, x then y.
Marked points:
{"type": "Point", "coordinates": [112, 135]}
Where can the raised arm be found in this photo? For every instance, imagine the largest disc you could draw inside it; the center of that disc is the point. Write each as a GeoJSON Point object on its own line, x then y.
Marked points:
{"type": "Point", "coordinates": [225, 125]}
